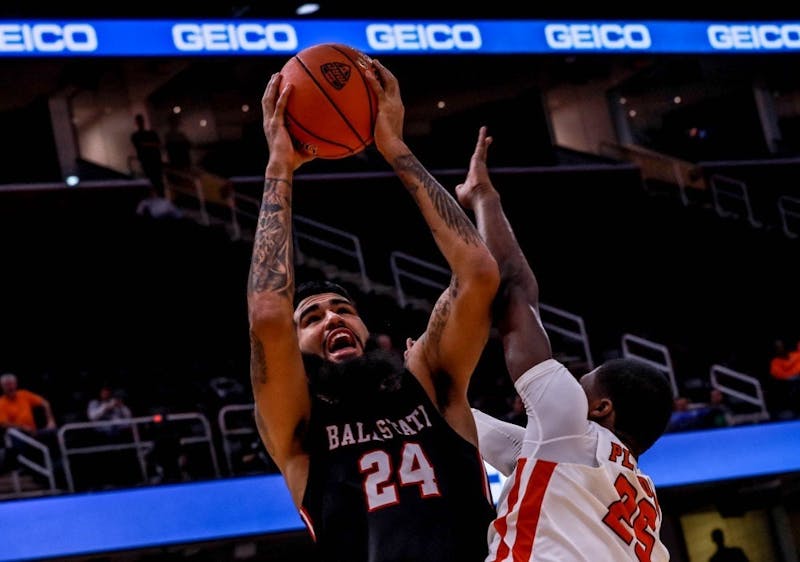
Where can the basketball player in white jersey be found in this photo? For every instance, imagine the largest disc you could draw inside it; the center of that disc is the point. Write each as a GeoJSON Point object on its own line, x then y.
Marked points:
{"type": "Point", "coordinates": [574, 491]}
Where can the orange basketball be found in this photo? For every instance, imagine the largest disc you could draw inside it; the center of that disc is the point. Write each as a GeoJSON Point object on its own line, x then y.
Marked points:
{"type": "Point", "coordinates": [331, 110]}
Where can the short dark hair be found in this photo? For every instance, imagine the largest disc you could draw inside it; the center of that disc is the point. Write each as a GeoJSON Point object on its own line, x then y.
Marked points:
{"type": "Point", "coordinates": [319, 286]}
{"type": "Point", "coordinates": [642, 398]}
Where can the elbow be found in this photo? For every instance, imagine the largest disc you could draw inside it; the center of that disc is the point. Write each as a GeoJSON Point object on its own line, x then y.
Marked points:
{"type": "Point", "coordinates": [269, 311]}
{"type": "Point", "coordinates": [484, 274]}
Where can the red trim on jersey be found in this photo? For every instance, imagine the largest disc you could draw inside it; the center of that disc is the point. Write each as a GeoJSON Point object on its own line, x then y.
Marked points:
{"type": "Point", "coordinates": [527, 513]}
{"type": "Point", "coordinates": [487, 490]}
{"type": "Point", "coordinates": [307, 520]}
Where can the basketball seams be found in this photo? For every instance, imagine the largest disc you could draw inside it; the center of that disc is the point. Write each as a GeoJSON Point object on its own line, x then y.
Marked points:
{"type": "Point", "coordinates": [322, 89]}
{"type": "Point", "coordinates": [373, 111]}
{"type": "Point", "coordinates": [310, 133]}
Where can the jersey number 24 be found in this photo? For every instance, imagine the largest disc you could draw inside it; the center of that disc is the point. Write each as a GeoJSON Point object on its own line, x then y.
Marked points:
{"type": "Point", "coordinates": [381, 483]}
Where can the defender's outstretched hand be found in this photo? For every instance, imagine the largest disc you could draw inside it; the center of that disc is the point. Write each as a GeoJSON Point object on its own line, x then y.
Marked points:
{"type": "Point", "coordinates": [477, 184]}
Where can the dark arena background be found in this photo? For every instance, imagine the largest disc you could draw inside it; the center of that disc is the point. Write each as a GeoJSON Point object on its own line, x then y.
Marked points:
{"type": "Point", "coordinates": [649, 161]}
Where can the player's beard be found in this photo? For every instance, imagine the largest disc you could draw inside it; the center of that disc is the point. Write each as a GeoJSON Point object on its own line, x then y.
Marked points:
{"type": "Point", "coordinates": [355, 379]}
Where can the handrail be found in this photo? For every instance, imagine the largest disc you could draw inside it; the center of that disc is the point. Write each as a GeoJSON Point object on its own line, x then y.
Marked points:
{"type": "Point", "coordinates": [45, 469]}
{"type": "Point", "coordinates": [723, 187]}
{"type": "Point", "coordinates": [399, 273]}
{"type": "Point", "coordinates": [756, 399]}
{"type": "Point", "coordinates": [665, 366]}
{"type": "Point", "coordinates": [135, 442]}
{"type": "Point", "coordinates": [657, 166]}
{"type": "Point", "coordinates": [302, 231]}
{"type": "Point", "coordinates": [789, 208]}
{"type": "Point", "coordinates": [579, 335]}
{"type": "Point", "coordinates": [226, 432]}
{"type": "Point", "coordinates": [188, 184]}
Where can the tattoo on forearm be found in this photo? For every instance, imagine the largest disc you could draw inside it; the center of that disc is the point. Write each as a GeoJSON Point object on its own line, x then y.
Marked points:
{"type": "Point", "coordinates": [441, 312]}
{"type": "Point", "coordinates": [271, 268]}
{"type": "Point", "coordinates": [258, 362]}
{"type": "Point", "coordinates": [443, 202]}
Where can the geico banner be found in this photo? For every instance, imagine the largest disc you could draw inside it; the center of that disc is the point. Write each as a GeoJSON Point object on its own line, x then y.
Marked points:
{"type": "Point", "coordinates": [109, 38]}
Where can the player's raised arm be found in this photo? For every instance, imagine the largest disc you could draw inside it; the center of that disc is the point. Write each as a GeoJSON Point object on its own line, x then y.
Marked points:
{"type": "Point", "coordinates": [280, 388]}
{"type": "Point", "coordinates": [459, 325]}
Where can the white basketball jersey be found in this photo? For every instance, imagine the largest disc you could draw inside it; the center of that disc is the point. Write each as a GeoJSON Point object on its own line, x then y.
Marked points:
{"type": "Point", "coordinates": [600, 509]}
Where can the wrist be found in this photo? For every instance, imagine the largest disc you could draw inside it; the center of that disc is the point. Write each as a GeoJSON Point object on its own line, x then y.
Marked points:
{"type": "Point", "coordinates": [393, 149]}
{"type": "Point", "coordinates": [279, 171]}
{"type": "Point", "coordinates": [488, 195]}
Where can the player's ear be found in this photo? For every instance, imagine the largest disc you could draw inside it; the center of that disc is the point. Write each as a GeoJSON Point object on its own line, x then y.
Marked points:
{"type": "Point", "coordinates": [600, 408]}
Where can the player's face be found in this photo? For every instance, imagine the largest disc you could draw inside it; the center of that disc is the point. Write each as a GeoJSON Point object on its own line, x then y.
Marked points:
{"type": "Point", "coordinates": [9, 386]}
{"type": "Point", "coordinates": [329, 326]}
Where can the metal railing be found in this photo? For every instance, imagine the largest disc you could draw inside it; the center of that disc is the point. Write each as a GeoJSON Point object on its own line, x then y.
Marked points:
{"type": "Point", "coordinates": [556, 320]}
{"type": "Point", "coordinates": [210, 203]}
{"type": "Point", "coordinates": [655, 166]}
{"type": "Point", "coordinates": [423, 273]}
{"type": "Point", "coordinates": [132, 440]}
{"type": "Point", "coordinates": [43, 468]}
{"type": "Point", "coordinates": [789, 212]}
{"type": "Point", "coordinates": [228, 432]}
{"type": "Point", "coordinates": [654, 354]}
{"type": "Point", "coordinates": [569, 326]}
{"type": "Point", "coordinates": [718, 376]}
{"type": "Point", "coordinates": [340, 242]}
{"type": "Point", "coordinates": [725, 190]}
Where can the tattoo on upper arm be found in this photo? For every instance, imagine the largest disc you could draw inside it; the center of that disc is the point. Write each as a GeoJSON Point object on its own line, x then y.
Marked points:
{"type": "Point", "coordinates": [258, 362]}
{"type": "Point", "coordinates": [271, 268]}
{"type": "Point", "coordinates": [441, 313]}
{"type": "Point", "coordinates": [445, 205]}
{"type": "Point", "coordinates": [261, 426]}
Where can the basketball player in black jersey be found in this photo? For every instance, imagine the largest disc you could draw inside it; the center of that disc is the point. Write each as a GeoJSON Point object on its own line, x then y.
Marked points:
{"type": "Point", "coordinates": [380, 459]}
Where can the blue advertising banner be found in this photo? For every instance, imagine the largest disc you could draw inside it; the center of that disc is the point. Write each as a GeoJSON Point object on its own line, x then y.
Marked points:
{"type": "Point", "coordinates": [87, 523]}
{"type": "Point", "coordinates": [173, 38]}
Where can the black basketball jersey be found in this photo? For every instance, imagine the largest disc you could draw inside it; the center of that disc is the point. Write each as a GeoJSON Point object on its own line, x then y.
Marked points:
{"type": "Point", "coordinates": [390, 481]}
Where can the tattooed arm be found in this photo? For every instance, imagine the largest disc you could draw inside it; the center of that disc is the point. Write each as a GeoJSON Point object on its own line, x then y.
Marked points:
{"type": "Point", "coordinates": [280, 389]}
{"type": "Point", "coordinates": [459, 325]}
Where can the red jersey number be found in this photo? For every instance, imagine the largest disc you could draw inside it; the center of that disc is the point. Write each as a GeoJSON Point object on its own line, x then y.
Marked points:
{"type": "Point", "coordinates": [630, 519]}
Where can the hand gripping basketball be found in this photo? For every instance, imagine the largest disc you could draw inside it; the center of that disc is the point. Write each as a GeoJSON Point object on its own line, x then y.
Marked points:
{"type": "Point", "coordinates": [332, 108]}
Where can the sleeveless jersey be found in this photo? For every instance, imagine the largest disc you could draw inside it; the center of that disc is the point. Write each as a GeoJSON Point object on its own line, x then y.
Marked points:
{"type": "Point", "coordinates": [390, 481]}
{"type": "Point", "coordinates": [588, 509]}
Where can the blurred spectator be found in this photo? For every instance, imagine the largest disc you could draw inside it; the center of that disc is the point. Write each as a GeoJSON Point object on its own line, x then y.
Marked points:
{"type": "Point", "coordinates": [686, 416]}
{"type": "Point", "coordinates": [184, 177]}
{"type": "Point", "coordinates": [784, 370]}
{"type": "Point", "coordinates": [118, 466]}
{"type": "Point", "coordinates": [384, 341]}
{"type": "Point", "coordinates": [725, 553]}
{"type": "Point", "coordinates": [178, 145]}
{"type": "Point", "coordinates": [157, 206]}
{"type": "Point", "coordinates": [719, 413]}
{"type": "Point", "coordinates": [785, 362]}
{"type": "Point", "coordinates": [148, 150]}
{"type": "Point", "coordinates": [18, 407]}
{"type": "Point", "coordinates": [107, 406]}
